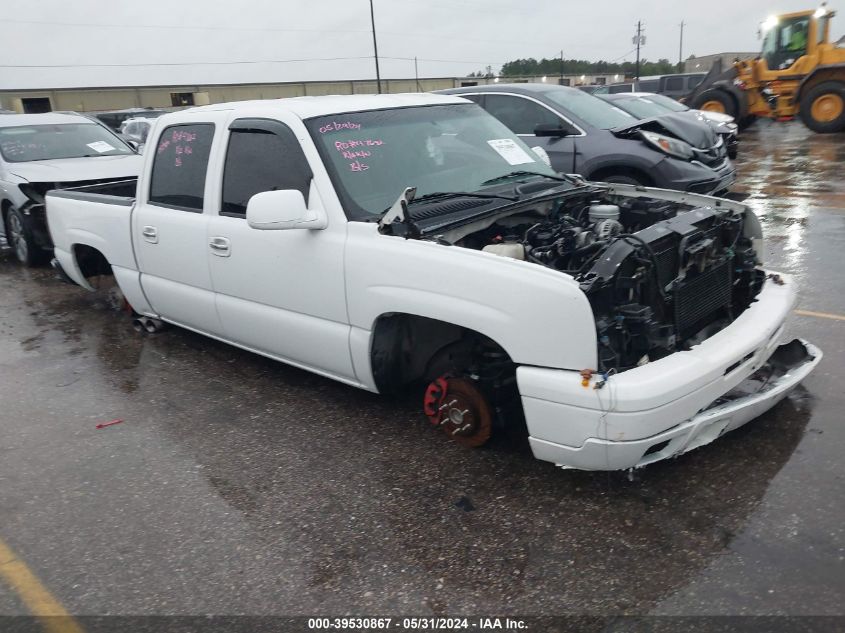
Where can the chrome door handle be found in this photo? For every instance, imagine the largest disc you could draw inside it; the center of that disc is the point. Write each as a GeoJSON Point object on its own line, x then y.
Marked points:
{"type": "Point", "coordinates": [150, 234]}
{"type": "Point", "coordinates": [219, 246]}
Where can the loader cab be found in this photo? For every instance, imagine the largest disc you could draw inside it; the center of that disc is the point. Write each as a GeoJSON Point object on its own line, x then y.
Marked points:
{"type": "Point", "coordinates": [788, 38]}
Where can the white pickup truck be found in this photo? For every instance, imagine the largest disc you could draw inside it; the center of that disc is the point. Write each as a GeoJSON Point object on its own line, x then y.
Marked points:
{"type": "Point", "coordinates": [397, 240]}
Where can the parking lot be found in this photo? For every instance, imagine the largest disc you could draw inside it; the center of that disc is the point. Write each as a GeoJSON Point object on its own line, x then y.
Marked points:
{"type": "Point", "coordinates": [235, 484]}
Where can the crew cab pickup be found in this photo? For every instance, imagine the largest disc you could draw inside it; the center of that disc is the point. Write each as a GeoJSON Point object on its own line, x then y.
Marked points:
{"type": "Point", "coordinates": [397, 240]}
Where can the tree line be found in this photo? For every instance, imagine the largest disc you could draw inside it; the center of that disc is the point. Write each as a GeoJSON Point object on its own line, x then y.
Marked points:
{"type": "Point", "coordinates": [551, 67]}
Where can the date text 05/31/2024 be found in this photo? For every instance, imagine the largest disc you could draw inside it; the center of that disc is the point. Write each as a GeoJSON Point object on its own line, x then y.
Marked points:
{"type": "Point", "coordinates": [418, 624]}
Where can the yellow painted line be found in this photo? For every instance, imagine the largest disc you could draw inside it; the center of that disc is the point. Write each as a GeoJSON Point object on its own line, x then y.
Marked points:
{"type": "Point", "coordinates": [821, 315]}
{"type": "Point", "coordinates": [37, 598]}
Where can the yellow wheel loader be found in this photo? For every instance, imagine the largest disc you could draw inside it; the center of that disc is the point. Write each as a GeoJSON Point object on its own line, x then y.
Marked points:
{"type": "Point", "coordinates": [799, 72]}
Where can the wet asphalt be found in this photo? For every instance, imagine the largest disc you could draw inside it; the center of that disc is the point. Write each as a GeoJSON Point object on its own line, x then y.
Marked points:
{"type": "Point", "coordinates": [237, 485]}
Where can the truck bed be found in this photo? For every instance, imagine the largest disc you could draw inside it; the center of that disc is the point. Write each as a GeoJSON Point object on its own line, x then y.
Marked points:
{"type": "Point", "coordinates": [98, 216]}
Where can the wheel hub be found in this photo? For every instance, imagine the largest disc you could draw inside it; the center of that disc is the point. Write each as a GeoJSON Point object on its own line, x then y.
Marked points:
{"type": "Point", "coordinates": [713, 106]}
{"type": "Point", "coordinates": [827, 108]}
{"type": "Point", "coordinates": [460, 409]}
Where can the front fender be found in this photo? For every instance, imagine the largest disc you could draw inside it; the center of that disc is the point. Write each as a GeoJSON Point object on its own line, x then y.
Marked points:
{"type": "Point", "coordinates": [538, 316]}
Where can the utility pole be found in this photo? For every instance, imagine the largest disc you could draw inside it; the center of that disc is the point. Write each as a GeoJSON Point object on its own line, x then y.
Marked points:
{"type": "Point", "coordinates": [681, 50]}
{"type": "Point", "coordinates": [561, 68]}
{"type": "Point", "coordinates": [417, 74]}
{"type": "Point", "coordinates": [375, 45]}
{"type": "Point", "coordinates": [639, 40]}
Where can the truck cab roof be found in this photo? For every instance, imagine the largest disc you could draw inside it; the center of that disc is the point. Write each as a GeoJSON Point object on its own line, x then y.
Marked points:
{"type": "Point", "coordinates": [307, 107]}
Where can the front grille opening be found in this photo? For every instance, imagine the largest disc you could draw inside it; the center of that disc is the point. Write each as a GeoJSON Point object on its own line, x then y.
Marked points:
{"type": "Point", "coordinates": [699, 297]}
{"type": "Point", "coordinates": [656, 448]}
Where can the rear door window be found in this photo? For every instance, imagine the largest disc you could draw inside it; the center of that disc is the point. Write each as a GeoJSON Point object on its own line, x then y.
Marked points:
{"type": "Point", "coordinates": [180, 166]}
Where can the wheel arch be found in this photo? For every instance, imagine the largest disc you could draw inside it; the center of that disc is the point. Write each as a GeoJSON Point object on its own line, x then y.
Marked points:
{"type": "Point", "coordinates": [404, 347]}
{"type": "Point", "coordinates": [622, 169]}
{"type": "Point", "coordinates": [90, 261]}
{"type": "Point", "coordinates": [820, 74]}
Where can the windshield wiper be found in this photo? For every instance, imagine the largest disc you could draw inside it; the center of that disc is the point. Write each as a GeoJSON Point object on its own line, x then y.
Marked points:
{"type": "Point", "coordinates": [514, 174]}
{"type": "Point", "coordinates": [442, 195]}
{"type": "Point", "coordinates": [397, 219]}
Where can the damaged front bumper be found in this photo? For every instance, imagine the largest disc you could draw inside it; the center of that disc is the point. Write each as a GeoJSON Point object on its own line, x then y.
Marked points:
{"type": "Point", "coordinates": [673, 405]}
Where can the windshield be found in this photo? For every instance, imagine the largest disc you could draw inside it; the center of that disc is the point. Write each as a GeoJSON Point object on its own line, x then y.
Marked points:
{"type": "Point", "coordinates": [373, 156]}
{"type": "Point", "coordinates": [63, 140]}
{"type": "Point", "coordinates": [785, 41]}
{"type": "Point", "coordinates": [666, 102]}
{"type": "Point", "coordinates": [589, 109]}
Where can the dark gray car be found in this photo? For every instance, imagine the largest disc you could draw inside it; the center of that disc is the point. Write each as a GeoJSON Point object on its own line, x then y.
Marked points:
{"type": "Point", "coordinates": [585, 135]}
{"type": "Point", "coordinates": [645, 105]}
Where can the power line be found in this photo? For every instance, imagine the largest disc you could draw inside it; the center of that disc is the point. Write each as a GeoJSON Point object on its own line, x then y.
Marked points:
{"type": "Point", "coordinates": [622, 56]}
{"type": "Point", "coordinates": [262, 61]}
{"type": "Point", "coordinates": [444, 61]}
{"type": "Point", "coordinates": [98, 25]}
{"type": "Point", "coordinates": [176, 27]}
{"type": "Point", "coordinates": [259, 61]}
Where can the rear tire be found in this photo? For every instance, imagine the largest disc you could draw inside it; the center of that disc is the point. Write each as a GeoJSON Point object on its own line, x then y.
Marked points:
{"type": "Point", "coordinates": [20, 238]}
{"type": "Point", "coordinates": [823, 107]}
{"type": "Point", "coordinates": [716, 100]}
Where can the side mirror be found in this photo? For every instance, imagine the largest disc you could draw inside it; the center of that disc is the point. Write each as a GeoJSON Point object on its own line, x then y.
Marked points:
{"type": "Point", "coordinates": [561, 129]}
{"type": "Point", "coordinates": [133, 144]}
{"type": "Point", "coordinates": [280, 210]}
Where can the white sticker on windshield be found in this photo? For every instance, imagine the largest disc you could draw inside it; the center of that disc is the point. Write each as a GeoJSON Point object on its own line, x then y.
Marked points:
{"type": "Point", "coordinates": [101, 146]}
{"type": "Point", "coordinates": [510, 151]}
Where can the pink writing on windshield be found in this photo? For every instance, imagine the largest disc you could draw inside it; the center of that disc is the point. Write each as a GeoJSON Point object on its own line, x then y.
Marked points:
{"type": "Point", "coordinates": [342, 145]}
{"type": "Point", "coordinates": [355, 149]}
{"type": "Point", "coordinates": [334, 126]}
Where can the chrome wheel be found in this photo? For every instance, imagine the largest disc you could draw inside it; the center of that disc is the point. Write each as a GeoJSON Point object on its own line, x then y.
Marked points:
{"type": "Point", "coordinates": [17, 240]}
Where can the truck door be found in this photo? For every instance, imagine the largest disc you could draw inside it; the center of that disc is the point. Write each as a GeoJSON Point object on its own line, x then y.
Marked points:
{"type": "Point", "coordinates": [522, 115]}
{"type": "Point", "coordinates": [279, 292]}
{"type": "Point", "coordinates": [170, 229]}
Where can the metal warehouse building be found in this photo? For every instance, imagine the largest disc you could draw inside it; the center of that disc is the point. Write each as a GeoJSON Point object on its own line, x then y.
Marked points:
{"type": "Point", "coordinates": [119, 98]}
{"type": "Point", "coordinates": [705, 63]}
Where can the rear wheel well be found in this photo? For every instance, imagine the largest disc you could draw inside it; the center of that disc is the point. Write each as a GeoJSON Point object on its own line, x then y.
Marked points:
{"type": "Point", "coordinates": [408, 349]}
{"type": "Point", "coordinates": [622, 170]}
{"type": "Point", "coordinates": [91, 262]}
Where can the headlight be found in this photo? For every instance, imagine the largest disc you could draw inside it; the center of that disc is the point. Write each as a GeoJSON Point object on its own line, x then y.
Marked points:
{"type": "Point", "coordinates": [668, 145]}
{"type": "Point", "coordinates": [718, 117]}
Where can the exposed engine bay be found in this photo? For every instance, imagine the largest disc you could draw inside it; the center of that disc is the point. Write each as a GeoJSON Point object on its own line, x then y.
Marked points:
{"type": "Point", "coordinates": [660, 275]}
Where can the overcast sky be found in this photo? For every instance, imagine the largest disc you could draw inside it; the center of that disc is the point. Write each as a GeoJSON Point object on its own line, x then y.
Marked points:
{"type": "Point", "coordinates": [144, 40]}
